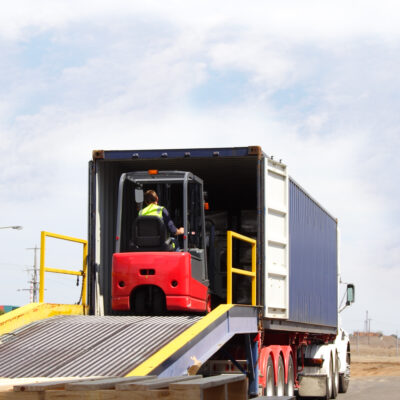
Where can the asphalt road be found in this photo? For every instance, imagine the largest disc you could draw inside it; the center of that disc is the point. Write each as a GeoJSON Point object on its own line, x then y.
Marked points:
{"type": "Point", "coordinates": [371, 388]}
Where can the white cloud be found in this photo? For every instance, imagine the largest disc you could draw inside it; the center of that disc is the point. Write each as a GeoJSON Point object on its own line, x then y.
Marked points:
{"type": "Point", "coordinates": [308, 20]}
{"type": "Point", "coordinates": [320, 91]}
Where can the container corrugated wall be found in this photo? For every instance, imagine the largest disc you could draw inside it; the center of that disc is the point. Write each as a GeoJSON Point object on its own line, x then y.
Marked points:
{"type": "Point", "coordinates": [313, 261]}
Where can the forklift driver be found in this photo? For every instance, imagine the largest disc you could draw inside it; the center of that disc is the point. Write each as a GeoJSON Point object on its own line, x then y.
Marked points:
{"type": "Point", "coordinates": [152, 208]}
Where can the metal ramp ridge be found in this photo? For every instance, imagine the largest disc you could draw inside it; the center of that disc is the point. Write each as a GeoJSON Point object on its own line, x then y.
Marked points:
{"type": "Point", "coordinates": [77, 345]}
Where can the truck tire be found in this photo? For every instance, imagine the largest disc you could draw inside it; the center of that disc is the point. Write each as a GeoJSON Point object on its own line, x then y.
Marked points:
{"type": "Point", "coordinates": [289, 385]}
{"type": "Point", "coordinates": [335, 378]}
{"type": "Point", "coordinates": [329, 380]}
{"type": "Point", "coordinates": [280, 383]}
{"type": "Point", "coordinates": [269, 389]}
{"type": "Point", "coordinates": [343, 383]}
{"type": "Point", "coordinates": [344, 379]}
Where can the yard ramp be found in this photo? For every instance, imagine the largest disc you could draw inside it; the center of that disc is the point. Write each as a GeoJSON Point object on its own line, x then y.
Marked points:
{"type": "Point", "coordinates": [82, 345]}
{"type": "Point", "coordinates": [33, 312]}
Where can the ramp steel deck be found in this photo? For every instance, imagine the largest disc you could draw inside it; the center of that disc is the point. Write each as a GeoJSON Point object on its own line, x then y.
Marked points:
{"type": "Point", "coordinates": [87, 345]}
{"type": "Point", "coordinates": [77, 346]}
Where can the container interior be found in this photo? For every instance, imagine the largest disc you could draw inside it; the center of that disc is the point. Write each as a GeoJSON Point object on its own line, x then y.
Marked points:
{"type": "Point", "coordinates": [231, 189]}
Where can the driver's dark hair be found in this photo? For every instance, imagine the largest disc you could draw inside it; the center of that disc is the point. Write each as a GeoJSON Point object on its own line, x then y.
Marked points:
{"type": "Point", "coordinates": [150, 197]}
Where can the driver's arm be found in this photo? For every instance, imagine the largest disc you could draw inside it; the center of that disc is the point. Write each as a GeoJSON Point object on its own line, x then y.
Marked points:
{"type": "Point", "coordinates": [170, 224]}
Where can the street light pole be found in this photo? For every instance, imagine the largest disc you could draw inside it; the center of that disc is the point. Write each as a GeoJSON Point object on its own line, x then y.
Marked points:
{"type": "Point", "coordinates": [17, 227]}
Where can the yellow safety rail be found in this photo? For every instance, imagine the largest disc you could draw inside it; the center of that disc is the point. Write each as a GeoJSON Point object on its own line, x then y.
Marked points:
{"type": "Point", "coordinates": [231, 270]}
{"type": "Point", "coordinates": [44, 269]}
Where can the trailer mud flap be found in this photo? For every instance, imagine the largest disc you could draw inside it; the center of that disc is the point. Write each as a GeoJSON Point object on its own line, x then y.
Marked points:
{"type": "Point", "coordinates": [313, 385]}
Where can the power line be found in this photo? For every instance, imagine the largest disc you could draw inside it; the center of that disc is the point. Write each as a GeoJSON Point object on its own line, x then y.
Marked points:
{"type": "Point", "coordinates": [14, 265]}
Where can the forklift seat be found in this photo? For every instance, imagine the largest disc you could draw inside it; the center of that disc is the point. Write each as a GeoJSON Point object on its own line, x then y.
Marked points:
{"type": "Point", "coordinates": [150, 234]}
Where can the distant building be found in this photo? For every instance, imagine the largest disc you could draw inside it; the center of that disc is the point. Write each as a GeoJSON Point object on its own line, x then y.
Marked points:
{"type": "Point", "coordinates": [8, 308]}
{"type": "Point", "coordinates": [366, 334]}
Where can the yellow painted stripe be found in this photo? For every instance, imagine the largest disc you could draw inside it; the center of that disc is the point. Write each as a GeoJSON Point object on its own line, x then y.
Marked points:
{"type": "Point", "coordinates": [185, 337]}
{"type": "Point", "coordinates": [35, 312]}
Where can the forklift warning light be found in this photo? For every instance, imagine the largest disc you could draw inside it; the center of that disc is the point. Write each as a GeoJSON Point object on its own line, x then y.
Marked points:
{"type": "Point", "coordinates": [153, 171]}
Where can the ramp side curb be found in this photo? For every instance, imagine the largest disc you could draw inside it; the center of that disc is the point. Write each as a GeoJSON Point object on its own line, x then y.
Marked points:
{"type": "Point", "coordinates": [179, 342]}
{"type": "Point", "coordinates": [35, 312]}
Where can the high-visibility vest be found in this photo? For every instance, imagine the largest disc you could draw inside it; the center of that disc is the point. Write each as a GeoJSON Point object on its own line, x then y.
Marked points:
{"type": "Point", "coordinates": [152, 209]}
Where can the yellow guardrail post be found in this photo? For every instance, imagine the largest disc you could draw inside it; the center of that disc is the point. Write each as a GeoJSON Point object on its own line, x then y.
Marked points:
{"type": "Point", "coordinates": [44, 269]}
{"type": "Point", "coordinates": [229, 281]}
{"type": "Point", "coordinates": [231, 270]}
{"type": "Point", "coordinates": [42, 255]}
{"type": "Point", "coordinates": [84, 272]}
{"type": "Point", "coordinates": [254, 271]}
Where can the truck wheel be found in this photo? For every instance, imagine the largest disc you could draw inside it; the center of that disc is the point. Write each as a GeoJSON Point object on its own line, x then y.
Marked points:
{"type": "Point", "coordinates": [280, 383]}
{"type": "Point", "coordinates": [269, 389]}
{"type": "Point", "coordinates": [335, 378]}
{"type": "Point", "coordinates": [344, 379]}
{"type": "Point", "coordinates": [343, 383]}
{"type": "Point", "coordinates": [289, 386]}
{"type": "Point", "coordinates": [329, 380]}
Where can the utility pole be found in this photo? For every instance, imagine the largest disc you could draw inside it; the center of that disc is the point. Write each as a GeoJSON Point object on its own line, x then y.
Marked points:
{"type": "Point", "coordinates": [367, 324]}
{"type": "Point", "coordinates": [369, 328]}
{"type": "Point", "coordinates": [34, 288]}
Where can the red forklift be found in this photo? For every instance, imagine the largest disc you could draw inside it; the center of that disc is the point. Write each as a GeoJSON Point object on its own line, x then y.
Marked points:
{"type": "Point", "coordinates": [150, 276]}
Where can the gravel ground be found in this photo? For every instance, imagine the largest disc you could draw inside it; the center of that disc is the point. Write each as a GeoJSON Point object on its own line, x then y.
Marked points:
{"type": "Point", "coordinates": [374, 356]}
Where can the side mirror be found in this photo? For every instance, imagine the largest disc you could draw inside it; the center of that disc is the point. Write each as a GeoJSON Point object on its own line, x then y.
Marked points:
{"type": "Point", "coordinates": [350, 294]}
{"type": "Point", "coordinates": [139, 195]}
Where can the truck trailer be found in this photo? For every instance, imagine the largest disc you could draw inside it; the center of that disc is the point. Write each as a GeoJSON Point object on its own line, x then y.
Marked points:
{"type": "Point", "coordinates": [211, 192]}
{"type": "Point", "coordinates": [250, 288]}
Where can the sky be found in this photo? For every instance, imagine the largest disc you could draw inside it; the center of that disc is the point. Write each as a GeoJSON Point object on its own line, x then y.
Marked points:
{"type": "Point", "coordinates": [313, 83]}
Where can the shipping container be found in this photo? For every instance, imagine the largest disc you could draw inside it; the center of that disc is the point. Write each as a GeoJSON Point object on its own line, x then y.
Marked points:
{"type": "Point", "coordinates": [249, 193]}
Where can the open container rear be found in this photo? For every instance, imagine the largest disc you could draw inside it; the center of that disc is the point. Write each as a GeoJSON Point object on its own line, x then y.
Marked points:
{"type": "Point", "coordinates": [235, 180]}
